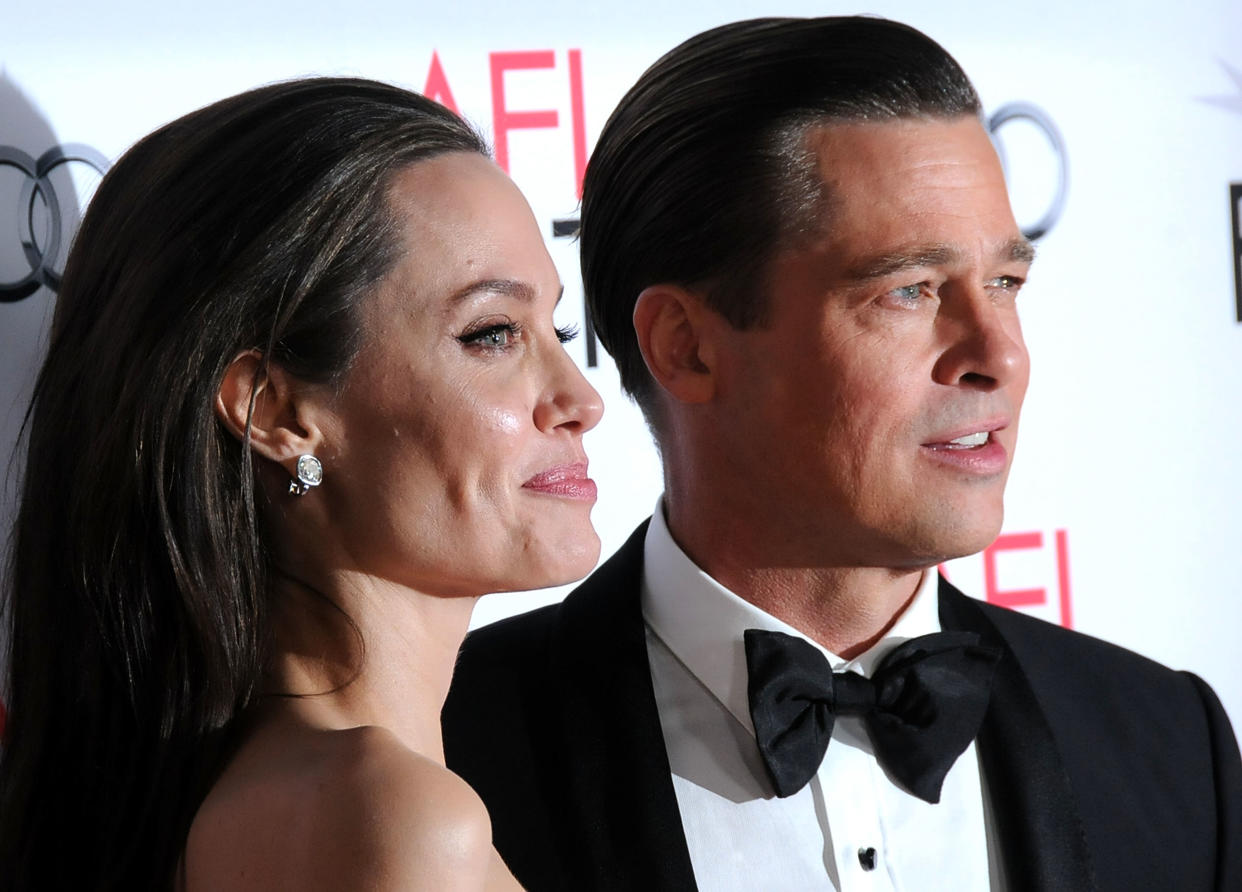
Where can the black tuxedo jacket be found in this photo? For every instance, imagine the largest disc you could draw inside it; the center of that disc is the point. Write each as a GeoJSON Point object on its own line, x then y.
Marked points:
{"type": "Point", "coordinates": [1107, 771]}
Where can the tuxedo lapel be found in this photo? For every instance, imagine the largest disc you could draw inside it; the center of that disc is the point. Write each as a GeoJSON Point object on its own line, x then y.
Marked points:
{"type": "Point", "coordinates": [618, 777]}
{"type": "Point", "coordinates": [1043, 844]}
{"type": "Point", "coordinates": [620, 765]}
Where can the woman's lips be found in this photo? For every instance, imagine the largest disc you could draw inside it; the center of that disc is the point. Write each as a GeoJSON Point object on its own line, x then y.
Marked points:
{"type": "Point", "coordinates": [564, 481]}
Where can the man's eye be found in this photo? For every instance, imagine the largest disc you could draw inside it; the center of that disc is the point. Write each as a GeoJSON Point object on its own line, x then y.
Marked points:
{"type": "Point", "coordinates": [1008, 283]}
{"type": "Point", "coordinates": [907, 292]}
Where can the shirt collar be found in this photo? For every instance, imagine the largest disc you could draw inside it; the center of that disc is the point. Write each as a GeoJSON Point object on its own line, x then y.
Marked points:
{"type": "Point", "coordinates": [702, 622]}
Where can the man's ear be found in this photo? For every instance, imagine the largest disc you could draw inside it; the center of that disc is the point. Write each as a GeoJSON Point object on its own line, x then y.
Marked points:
{"type": "Point", "coordinates": [674, 327]}
{"type": "Point", "coordinates": [281, 427]}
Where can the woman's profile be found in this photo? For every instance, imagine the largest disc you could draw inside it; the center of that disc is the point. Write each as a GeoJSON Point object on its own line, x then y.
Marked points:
{"type": "Point", "coordinates": [304, 402]}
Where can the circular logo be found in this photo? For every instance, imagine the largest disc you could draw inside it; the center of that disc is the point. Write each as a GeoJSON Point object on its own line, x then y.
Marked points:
{"type": "Point", "coordinates": [1024, 111]}
{"type": "Point", "coordinates": [36, 188]}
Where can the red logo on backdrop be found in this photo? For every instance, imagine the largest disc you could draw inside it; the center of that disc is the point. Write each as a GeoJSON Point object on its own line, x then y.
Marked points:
{"type": "Point", "coordinates": [505, 119]}
{"type": "Point", "coordinates": [1016, 560]}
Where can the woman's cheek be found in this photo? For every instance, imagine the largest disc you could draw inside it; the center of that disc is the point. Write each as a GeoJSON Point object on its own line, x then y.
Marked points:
{"type": "Point", "coordinates": [503, 421]}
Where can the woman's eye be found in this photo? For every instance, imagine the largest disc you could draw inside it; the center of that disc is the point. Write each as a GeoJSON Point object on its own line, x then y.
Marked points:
{"type": "Point", "coordinates": [492, 336]}
{"type": "Point", "coordinates": [497, 337]}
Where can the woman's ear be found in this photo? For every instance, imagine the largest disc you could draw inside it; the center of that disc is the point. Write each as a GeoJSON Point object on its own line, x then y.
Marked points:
{"type": "Point", "coordinates": [673, 327]}
{"type": "Point", "coordinates": [281, 425]}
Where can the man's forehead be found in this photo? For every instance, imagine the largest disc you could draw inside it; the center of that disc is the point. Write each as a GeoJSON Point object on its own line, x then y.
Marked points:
{"type": "Point", "coordinates": [901, 175]}
{"type": "Point", "coordinates": [826, 130]}
{"type": "Point", "coordinates": [837, 148]}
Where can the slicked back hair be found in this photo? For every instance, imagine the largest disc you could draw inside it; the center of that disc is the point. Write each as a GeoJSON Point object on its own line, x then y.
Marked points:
{"type": "Point", "coordinates": [702, 171]}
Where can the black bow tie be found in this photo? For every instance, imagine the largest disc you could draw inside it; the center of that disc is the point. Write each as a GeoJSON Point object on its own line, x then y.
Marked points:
{"type": "Point", "coordinates": [922, 706]}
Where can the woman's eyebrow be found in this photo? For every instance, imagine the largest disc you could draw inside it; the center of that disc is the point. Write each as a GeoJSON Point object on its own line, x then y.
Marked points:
{"type": "Point", "coordinates": [507, 287]}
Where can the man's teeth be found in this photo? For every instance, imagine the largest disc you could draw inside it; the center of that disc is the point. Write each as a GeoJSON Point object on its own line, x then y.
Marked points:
{"type": "Point", "coordinates": [976, 439]}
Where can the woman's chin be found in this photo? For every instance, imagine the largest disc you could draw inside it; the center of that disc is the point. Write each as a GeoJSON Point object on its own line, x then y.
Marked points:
{"type": "Point", "coordinates": [568, 559]}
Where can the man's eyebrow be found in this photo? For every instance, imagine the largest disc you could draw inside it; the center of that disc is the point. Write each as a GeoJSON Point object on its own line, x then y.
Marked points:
{"type": "Point", "coordinates": [1017, 250]}
{"type": "Point", "coordinates": [896, 261]}
{"type": "Point", "coordinates": [507, 287]}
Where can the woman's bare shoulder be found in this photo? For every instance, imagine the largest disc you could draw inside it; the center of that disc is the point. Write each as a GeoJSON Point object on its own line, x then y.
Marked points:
{"type": "Point", "coordinates": [339, 809]}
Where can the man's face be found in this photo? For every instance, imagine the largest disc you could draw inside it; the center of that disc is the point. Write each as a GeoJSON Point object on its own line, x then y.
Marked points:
{"type": "Point", "coordinates": [874, 419]}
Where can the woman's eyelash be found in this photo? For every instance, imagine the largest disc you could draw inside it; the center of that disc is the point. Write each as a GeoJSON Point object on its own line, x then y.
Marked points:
{"type": "Point", "coordinates": [497, 335]}
{"type": "Point", "coordinates": [500, 334]}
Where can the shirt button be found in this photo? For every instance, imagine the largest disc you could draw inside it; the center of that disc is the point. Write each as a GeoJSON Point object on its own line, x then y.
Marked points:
{"type": "Point", "coordinates": [866, 857]}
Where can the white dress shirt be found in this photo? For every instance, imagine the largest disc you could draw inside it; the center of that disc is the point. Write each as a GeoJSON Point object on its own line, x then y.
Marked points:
{"type": "Point", "coordinates": [740, 835]}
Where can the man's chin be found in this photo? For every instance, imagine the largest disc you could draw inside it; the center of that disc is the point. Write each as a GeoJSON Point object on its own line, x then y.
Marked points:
{"type": "Point", "coordinates": [949, 541]}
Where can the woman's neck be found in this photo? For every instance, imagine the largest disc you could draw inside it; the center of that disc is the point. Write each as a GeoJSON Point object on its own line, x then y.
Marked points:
{"type": "Point", "coordinates": [369, 653]}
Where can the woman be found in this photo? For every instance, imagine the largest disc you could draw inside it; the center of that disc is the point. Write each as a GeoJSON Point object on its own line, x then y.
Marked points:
{"type": "Point", "coordinates": [304, 402]}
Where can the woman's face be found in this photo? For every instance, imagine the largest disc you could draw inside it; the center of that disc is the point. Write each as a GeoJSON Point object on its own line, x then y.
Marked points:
{"type": "Point", "coordinates": [453, 456]}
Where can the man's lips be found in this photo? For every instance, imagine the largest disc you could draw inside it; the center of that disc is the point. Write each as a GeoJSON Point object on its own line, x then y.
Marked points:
{"type": "Point", "coordinates": [564, 481]}
{"type": "Point", "coordinates": [974, 448]}
{"type": "Point", "coordinates": [968, 436]}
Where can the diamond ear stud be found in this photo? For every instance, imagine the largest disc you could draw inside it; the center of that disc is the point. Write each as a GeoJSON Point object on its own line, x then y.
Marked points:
{"type": "Point", "coordinates": [309, 475]}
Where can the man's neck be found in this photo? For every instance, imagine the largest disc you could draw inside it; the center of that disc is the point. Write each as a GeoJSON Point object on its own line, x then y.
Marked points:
{"type": "Point", "coordinates": [846, 609]}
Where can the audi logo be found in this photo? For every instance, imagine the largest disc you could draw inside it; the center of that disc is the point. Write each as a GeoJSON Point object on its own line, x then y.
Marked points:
{"type": "Point", "coordinates": [1024, 111]}
{"type": "Point", "coordinates": [37, 189]}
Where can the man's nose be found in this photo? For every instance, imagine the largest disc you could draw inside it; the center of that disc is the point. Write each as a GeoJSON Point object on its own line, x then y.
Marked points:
{"type": "Point", "coordinates": [982, 342]}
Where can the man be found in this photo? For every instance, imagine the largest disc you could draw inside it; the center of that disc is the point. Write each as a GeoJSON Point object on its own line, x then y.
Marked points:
{"type": "Point", "coordinates": [797, 245]}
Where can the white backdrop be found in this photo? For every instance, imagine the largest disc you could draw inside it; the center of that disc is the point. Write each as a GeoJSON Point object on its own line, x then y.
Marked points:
{"type": "Point", "coordinates": [1124, 517]}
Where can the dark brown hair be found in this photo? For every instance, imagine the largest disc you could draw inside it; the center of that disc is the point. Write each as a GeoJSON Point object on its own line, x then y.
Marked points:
{"type": "Point", "coordinates": [702, 170]}
{"type": "Point", "coordinates": [137, 599]}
